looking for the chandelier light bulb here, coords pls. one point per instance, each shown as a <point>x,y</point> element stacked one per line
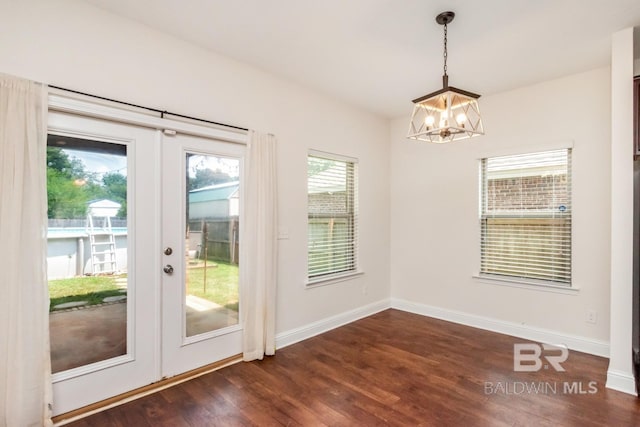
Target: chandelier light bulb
<point>444,119</point>
<point>429,121</point>
<point>461,118</point>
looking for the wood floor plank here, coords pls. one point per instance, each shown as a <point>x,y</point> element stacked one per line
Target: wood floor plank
<point>393,368</point>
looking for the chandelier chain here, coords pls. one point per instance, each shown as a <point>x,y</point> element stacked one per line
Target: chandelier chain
<point>445,49</point>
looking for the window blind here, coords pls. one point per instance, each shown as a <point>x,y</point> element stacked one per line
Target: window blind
<point>332,216</point>
<point>526,216</point>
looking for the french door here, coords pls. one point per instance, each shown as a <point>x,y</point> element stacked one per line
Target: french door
<point>201,207</point>
<point>143,255</point>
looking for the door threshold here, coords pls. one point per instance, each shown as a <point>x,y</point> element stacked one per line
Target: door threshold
<point>68,417</point>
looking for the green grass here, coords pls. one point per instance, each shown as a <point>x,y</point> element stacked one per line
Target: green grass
<point>88,288</point>
<point>221,286</point>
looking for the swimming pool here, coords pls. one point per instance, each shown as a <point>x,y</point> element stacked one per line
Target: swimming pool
<point>66,232</point>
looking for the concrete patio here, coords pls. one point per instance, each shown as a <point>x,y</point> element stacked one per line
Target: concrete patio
<point>93,333</point>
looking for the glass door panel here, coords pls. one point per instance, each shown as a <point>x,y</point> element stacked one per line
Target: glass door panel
<point>212,207</point>
<point>86,250</point>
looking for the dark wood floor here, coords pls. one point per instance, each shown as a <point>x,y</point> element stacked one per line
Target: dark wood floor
<point>393,368</point>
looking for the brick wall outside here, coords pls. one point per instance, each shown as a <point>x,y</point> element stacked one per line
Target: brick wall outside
<point>527,193</point>
<point>327,203</point>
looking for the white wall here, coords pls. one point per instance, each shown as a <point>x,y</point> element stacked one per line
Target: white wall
<point>434,215</point>
<point>74,45</point>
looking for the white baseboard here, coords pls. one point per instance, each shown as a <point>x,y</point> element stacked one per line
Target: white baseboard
<point>621,381</point>
<point>573,342</point>
<point>293,336</point>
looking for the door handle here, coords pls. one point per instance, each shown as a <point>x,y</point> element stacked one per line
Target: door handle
<point>168,269</point>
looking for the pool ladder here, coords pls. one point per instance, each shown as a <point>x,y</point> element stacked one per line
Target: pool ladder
<point>102,244</point>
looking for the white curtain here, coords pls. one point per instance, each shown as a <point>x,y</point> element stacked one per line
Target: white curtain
<point>259,272</point>
<point>25,366</point>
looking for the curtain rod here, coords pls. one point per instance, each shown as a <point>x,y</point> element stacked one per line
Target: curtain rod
<point>155,110</point>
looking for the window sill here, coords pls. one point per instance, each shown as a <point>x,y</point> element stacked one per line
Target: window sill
<point>330,280</point>
<point>514,282</point>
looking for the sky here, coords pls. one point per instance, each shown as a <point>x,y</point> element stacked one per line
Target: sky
<point>229,166</point>
<point>100,163</point>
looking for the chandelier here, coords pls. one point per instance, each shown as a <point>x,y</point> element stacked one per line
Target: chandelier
<point>448,114</point>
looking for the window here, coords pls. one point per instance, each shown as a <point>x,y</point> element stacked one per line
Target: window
<point>332,216</point>
<point>525,216</point>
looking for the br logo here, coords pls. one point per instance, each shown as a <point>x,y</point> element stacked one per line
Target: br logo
<point>528,357</point>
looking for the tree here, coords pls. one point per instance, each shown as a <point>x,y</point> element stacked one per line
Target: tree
<point>205,177</point>
<point>315,165</point>
<point>65,198</point>
<point>65,177</point>
<point>115,188</point>
<point>70,187</point>
<point>68,167</point>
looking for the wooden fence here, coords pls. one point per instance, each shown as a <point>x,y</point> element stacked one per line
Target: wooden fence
<point>215,239</point>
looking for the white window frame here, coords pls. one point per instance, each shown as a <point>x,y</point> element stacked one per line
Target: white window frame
<point>331,278</point>
<point>512,281</point>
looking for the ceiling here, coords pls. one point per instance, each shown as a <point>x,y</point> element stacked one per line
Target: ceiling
<point>381,54</point>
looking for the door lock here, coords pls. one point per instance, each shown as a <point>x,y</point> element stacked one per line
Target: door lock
<point>168,269</point>
<point>168,251</point>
